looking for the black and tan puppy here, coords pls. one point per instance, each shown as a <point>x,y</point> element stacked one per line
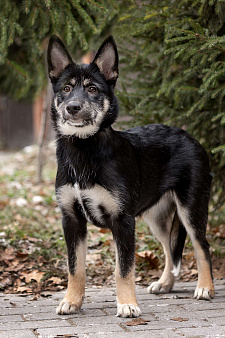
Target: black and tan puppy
<point>109,177</point>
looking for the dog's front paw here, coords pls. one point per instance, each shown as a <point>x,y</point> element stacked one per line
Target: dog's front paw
<point>203,293</point>
<point>67,308</point>
<point>128,310</point>
<point>157,287</point>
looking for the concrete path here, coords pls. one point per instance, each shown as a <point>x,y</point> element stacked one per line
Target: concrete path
<point>172,315</point>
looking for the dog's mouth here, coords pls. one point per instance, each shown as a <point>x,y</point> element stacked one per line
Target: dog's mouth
<point>76,123</point>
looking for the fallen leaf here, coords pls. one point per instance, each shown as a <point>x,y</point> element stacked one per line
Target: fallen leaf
<point>15,266</point>
<point>41,260</point>
<point>35,275</point>
<point>149,257</point>
<point>194,272</point>
<point>22,256</point>
<point>137,321</point>
<point>155,273</point>
<point>23,289</point>
<point>179,319</point>
<point>189,255</point>
<point>138,279</point>
<point>35,297</point>
<point>33,239</point>
<point>5,281</point>
<point>8,254</point>
<point>93,257</point>
<point>55,280</point>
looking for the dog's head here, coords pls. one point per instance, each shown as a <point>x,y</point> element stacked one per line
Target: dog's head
<point>84,101</point>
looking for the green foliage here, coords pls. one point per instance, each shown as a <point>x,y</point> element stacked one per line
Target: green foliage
<point>173,71</point>
<point>25,27</point>
<point>171,54</point>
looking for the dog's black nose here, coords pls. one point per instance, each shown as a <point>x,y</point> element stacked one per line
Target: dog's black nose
<point>73,107</point>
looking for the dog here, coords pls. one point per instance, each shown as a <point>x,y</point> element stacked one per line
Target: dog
<point>109,177</point>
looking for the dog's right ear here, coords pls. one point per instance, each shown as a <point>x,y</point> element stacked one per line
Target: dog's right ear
<point>58,57</point>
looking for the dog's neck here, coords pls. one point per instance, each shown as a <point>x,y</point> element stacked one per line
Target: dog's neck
<point>84,158</point>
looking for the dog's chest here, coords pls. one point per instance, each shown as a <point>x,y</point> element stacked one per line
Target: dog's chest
<point>98,204</point>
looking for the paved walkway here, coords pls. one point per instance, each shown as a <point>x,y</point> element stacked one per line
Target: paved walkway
<point>173,315</point>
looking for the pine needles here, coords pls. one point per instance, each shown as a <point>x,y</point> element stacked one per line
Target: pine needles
<point>25,27</point>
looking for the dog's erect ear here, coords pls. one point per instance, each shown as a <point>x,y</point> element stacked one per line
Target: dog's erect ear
<point>58,57</point>
<point>107,59</point>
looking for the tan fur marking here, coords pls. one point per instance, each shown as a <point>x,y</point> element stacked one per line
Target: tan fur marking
<point>204,274</point>
<point>76,283</point>
<point>106,105</point>
<point>86,82</point>
<point>66,197</point>
<point>125,286</point>
<point>73,81</point>
<point>167,279</point>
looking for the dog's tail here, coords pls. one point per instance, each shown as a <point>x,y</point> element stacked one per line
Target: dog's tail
<point>177,239</point>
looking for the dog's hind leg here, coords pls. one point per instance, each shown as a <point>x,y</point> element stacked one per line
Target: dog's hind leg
<point>159,219</point>
<point>124,238</point>
<point>75,233</point>
<point>194,219</point>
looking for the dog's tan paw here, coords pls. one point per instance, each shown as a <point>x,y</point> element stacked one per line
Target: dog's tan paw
<point>128,310</point>
<point>203,293</point>
<point>67,308</point>
<point>157,287</point>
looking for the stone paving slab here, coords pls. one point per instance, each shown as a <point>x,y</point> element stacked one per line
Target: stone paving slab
<point>176,314</point>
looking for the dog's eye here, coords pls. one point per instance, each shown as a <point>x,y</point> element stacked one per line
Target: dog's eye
<point>66,89</point>
<point>92,89</point>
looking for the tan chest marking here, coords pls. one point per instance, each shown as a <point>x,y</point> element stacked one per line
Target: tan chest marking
<point>92,200</point>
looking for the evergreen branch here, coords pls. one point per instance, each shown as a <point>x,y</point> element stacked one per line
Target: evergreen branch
<point>218,116</point>
<point>217,92</point>
<point>26,4</point>
<point>216,150</point>
<point>84,14</point>
<point>197,35</point>
<point>16,67</point>
<point>94,3</point>
<point>33,16</point>
<point>48,3</point>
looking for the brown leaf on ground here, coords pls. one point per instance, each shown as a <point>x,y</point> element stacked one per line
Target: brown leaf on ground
<point>179,319</point>
<point>148,257</point>
<point>33,239</point>
<point>137,321</point>
<point>155,273</point>
<point>23,289</point>
<point>5,282</point>
<point>8,255</point>
<point>93,257</point>
<point>55,280</point>
<point>35,275</point>
<point>22,256</point>
<point>194,272</point>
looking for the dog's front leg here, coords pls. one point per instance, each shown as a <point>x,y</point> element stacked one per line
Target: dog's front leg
<point>75,232</point>
<point>124,238</point>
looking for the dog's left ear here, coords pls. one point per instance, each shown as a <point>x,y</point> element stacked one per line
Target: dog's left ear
<point>107,59</point>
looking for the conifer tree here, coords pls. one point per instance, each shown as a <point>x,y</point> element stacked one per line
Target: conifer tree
<point>173,71</point>
<point>25,27</point>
